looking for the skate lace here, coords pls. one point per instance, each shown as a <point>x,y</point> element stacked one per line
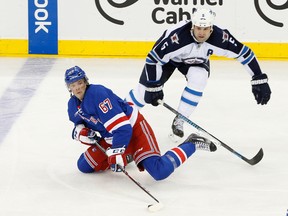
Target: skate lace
<point>201,145</point>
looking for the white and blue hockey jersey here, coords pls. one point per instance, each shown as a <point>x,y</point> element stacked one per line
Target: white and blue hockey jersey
<point>178,48</point>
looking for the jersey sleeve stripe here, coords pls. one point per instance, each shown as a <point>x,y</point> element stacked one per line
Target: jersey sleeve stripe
<point>243,51</point>
<point>247,60</point>
<point>153,53</point>
<point>116,122</point>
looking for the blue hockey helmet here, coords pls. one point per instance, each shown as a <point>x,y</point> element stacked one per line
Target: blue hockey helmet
<point>74,74</point>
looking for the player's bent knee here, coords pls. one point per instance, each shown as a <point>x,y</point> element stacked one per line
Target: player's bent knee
<point>158,167</point>
<point>159,176</point>
<point>83,165</point>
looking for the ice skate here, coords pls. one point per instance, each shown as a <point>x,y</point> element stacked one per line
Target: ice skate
<point>177,126</point>
<point>201,142</point>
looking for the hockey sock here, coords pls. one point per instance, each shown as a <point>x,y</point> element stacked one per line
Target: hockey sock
<point>180,154</point>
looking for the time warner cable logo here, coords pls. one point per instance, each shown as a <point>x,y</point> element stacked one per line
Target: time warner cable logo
<point>126,3</point>
<point>273,6</point>
<point>158,12</point>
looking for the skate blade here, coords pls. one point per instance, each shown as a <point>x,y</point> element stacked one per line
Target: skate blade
<point>174,138</point>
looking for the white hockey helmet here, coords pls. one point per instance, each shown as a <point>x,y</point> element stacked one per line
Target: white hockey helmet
<point>202,17</point>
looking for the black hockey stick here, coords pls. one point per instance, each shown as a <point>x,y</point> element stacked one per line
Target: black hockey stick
<point>256,159</point>
<point>151,207</point>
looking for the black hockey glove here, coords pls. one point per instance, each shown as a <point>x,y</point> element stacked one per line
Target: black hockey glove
<point>261,89</point>
<point>153,94</point>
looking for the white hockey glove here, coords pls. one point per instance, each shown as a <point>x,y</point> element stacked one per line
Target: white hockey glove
<point>116,159</point>
<point>85,135</point>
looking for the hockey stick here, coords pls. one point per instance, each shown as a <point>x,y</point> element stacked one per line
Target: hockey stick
<point>152,207</point>
<point>256,159</point>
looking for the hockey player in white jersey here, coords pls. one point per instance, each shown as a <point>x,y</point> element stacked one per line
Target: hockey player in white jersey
<point>187,46</point>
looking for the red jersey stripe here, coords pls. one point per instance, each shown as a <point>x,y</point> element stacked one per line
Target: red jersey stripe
<point>180,153</point>
<point>116,122</point>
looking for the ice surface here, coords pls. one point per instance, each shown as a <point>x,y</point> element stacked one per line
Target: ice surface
<point>38,173</point>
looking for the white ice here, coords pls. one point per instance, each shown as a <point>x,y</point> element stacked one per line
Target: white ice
<point>38,172</point>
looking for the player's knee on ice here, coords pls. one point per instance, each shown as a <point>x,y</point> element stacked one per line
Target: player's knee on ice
<point>83,165</point>
<point>92,162</point>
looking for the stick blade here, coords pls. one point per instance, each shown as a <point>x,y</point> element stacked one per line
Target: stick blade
<point>257,158</point>
<point>155,207</point>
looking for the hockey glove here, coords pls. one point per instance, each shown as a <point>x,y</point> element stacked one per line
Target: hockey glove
<point>116,159</point>
<point>261,89</point>
<point>153,94</point>
<point>85,135</point>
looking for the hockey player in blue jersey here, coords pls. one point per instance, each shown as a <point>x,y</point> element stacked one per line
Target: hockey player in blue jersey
<point>101,116</point>
<point>187,46</point>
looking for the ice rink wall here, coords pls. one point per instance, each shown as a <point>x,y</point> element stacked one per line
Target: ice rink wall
<point>129,28</point>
